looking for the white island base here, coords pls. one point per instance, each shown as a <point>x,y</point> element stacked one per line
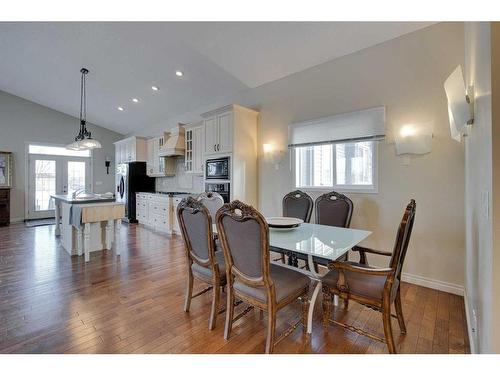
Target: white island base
<point>97,231</point>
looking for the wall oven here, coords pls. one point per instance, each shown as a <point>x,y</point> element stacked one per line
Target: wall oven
<point>217,169</point>
<point>222,189</point>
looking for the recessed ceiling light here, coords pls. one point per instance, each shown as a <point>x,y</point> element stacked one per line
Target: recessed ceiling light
<point>154,88</point>
<point>178,73</point>
<point>120,108</point>
<point>135,100</point>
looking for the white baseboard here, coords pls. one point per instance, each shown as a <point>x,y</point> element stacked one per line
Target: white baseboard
<point>468,318</point>
<point>17,219</point>
<point>433,284</point>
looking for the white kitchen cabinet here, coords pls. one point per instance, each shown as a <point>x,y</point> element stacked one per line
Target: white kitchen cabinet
<point>176,229</point>
<point>219,133</point>
<point>232,132</point>
<point>156,165</point>
<point>225,132</point>
<point>130,149</point>
<point>154,211</point>
<point>194,143</point>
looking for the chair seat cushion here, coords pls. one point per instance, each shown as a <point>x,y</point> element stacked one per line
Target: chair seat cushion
<point>287,282</point>
<point>207,272</point>
<point>359,284</point>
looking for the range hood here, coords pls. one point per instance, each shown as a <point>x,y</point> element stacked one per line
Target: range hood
<point>173,144</point>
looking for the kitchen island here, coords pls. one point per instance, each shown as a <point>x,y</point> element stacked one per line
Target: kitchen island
<point>87,224</point>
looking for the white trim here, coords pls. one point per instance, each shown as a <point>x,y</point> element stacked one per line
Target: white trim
<point>433,284</point>
<point>468,318</point>
<point>17,220</point>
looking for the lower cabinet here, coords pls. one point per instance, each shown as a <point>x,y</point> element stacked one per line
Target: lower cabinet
<point>154,211</point>
<point>175,223</point>
<point>158,212</point>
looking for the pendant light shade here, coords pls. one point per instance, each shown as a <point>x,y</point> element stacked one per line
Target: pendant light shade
<point>84,140</point>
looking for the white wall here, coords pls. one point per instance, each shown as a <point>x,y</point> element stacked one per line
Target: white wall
<point>406,75</point>
<point>24,121</point>
<point>478,177</point>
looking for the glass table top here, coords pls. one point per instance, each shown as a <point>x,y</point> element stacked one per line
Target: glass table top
<point>318,240</point>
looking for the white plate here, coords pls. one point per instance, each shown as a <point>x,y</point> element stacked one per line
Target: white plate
<point>283,222</point>
<point>284,229</point>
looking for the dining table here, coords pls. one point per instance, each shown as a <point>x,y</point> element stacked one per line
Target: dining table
<point>313,242</point>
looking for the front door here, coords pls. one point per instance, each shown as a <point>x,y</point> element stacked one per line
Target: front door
<point>54,174</point>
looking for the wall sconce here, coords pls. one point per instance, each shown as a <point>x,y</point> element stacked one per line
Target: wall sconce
<point>272,154</point>
<point>460,103</point>
<point>107,163</point>
<point>412,140</point>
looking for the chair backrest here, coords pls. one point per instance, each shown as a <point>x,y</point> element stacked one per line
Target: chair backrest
<point>244,236</point>
<point>298,204</point>
<point>212,201</point>
<point>334,209</point>
<point>196,228</point>
<point>403,238</point>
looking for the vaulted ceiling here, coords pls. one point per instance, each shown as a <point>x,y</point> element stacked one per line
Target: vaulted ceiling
<point>41,62</point>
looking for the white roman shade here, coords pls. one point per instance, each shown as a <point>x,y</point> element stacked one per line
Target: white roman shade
<point>364,125</point>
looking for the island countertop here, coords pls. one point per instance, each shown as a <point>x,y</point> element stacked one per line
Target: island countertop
<point>69,199</point>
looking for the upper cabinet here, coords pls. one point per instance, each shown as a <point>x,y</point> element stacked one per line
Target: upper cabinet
<point>232,131</point>
<point>156,165</point>
<point>219,131</point>
<point>130,149</point>
<point>195,143</point>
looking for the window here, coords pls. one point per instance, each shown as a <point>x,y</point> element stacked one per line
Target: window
<point>54,150</point>
<point>342,166</point>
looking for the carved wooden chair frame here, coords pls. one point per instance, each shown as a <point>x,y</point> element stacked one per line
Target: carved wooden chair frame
<point>217,280</point>
<point>241,212</point>
<point>390,273</point>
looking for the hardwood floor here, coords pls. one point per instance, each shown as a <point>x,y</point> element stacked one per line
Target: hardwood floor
<point>54,303</point>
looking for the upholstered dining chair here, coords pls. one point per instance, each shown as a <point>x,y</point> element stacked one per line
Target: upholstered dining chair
<point>299,205</point>
<point>334,209</point>
<point>205,264</point>
<point>376,288</point>
<point>244,236</point>
<point>211,200</point>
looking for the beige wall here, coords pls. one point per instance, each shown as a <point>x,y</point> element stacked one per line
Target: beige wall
<point>478,167</point>
<point>24,121</point>
<point>495,99</point>
<point>406,75</point>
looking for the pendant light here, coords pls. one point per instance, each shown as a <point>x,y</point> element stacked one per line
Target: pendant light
<point>84,140</point>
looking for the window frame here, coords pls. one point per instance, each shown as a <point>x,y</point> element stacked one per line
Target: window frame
<point>361,189</point>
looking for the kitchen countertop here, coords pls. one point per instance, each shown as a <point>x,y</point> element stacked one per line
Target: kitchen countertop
<point>169,194</point>
<point>69,199</point>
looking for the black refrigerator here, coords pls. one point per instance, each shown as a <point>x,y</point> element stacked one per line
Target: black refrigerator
<point>131,178</point>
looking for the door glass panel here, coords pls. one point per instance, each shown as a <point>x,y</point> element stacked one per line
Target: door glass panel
<point>76,176</point>
<point>45,184</point>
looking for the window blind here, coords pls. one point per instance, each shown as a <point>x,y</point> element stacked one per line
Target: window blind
<point>363,125</point>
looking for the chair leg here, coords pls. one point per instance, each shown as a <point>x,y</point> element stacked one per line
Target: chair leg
<point>189,292</point>
<point>229,312</point>
<point>399,313</point>
<point>346,303</point>
<point>271,328</point>
<point>305,310</point>
<point>327,308</point>
<point>283,258</point>
<point>389,339</point>
<point>215,306</point>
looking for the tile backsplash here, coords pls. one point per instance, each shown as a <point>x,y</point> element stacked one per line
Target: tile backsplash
<point>182,181</point>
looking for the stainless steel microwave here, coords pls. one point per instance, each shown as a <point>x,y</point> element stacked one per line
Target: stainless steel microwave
<point>217,169</point>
